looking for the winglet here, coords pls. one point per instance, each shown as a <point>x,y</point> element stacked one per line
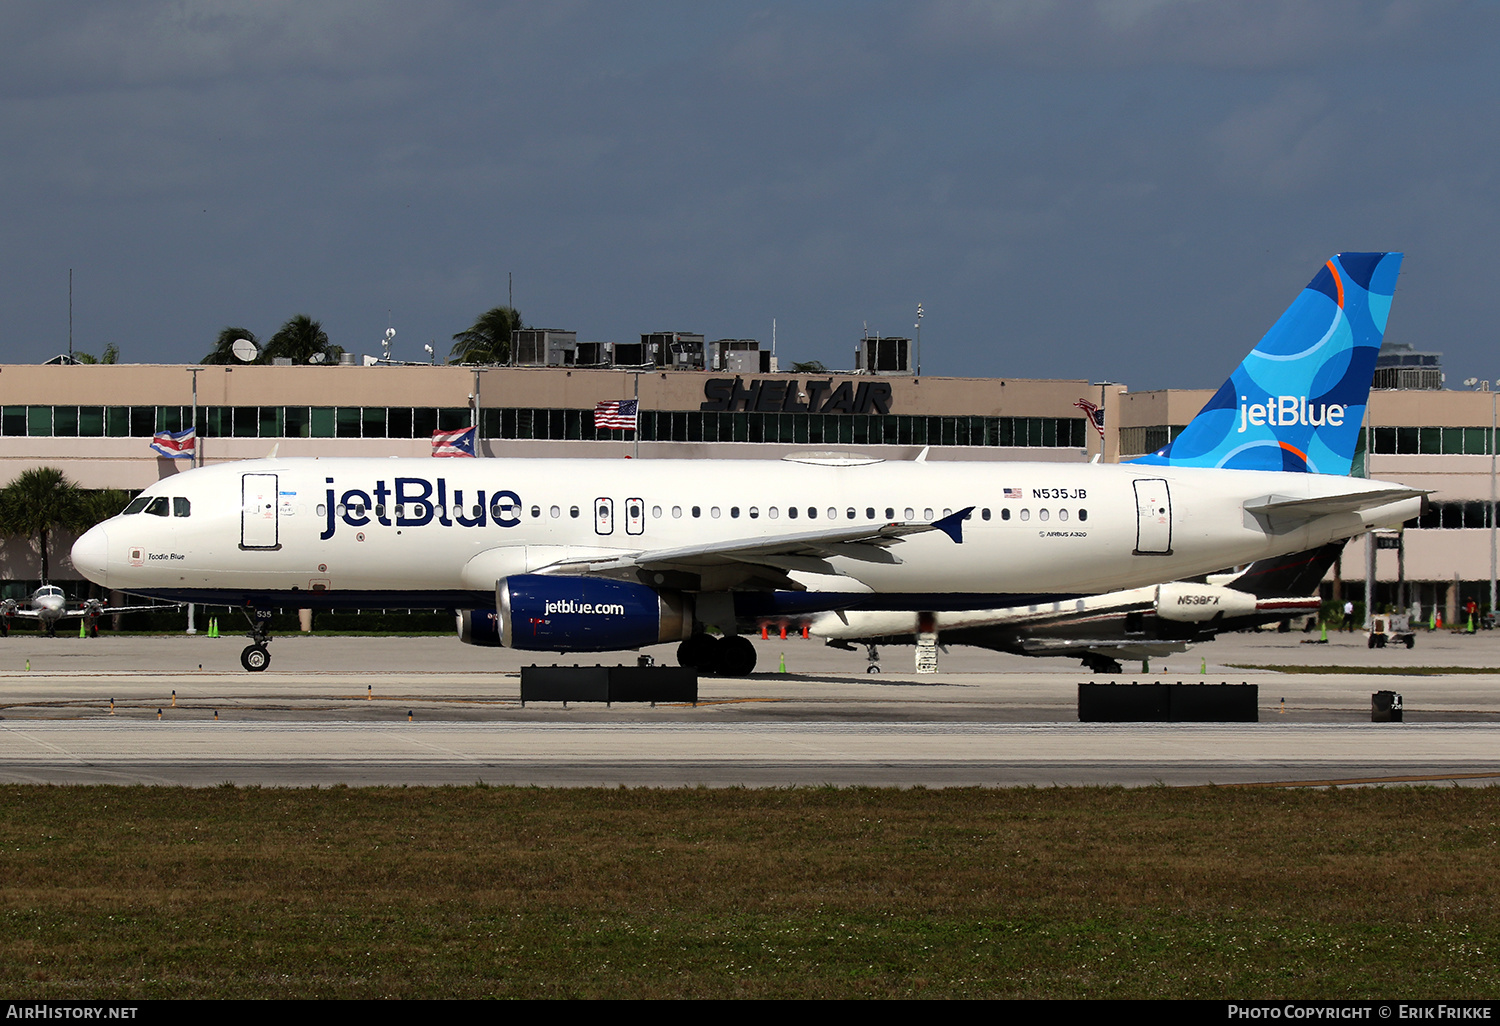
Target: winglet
<point>953,524</point>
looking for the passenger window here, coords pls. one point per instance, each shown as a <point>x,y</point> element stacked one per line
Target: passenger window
<point>181,507</point>
<point>849,514</point>
<point>833,514</point>
<point>1005,514</point>
<point>984,514</point>
<point>1025,514</point>
<point>380,510</point>
<point>656,512</point>
<point>890,514</point>
<point>573,512</point>
<point>812,513</point>
<point>869,513</point>
<point>1083,514</point>
<point>556,512</point>
<point>676,512</point>
<point>734,511</point>
<point>536,512</point>
<point>947,512</point>
<point>754,513</point>
<point>927,514</point>
<point>1062,514</point>
<point>713,511</point>
<point>1041,514</point>
<point>772,513</point>
<point>910,513</point>
<point>791,512</point>
<point>697,511</point>
<point>322,510</point>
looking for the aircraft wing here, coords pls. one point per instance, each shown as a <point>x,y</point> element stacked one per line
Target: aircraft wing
<point>762,561</point>
<point>1120,649</point>
<point>74,614</point>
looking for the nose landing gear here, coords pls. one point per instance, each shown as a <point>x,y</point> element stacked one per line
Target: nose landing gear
<point>256,656</point>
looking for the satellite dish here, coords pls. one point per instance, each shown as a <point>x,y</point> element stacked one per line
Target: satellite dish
<point>244,350</point>
<point>317,358</point>
<point>390,333</point>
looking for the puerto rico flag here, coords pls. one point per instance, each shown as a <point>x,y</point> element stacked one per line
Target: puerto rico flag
<point>453,443</point>
<point>175,445</point>
<point>616,414</point>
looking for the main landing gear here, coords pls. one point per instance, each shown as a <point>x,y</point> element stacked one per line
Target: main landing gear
<point>731,656</point>
<point>873,655</point>
<point>256,656</point>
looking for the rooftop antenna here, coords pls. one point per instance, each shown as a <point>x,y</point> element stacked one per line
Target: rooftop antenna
<point>244,350</point>
<point>70,315</point>
<point>431,353</point>
<point>385,343</point>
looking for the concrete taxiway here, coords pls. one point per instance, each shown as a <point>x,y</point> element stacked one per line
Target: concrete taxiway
<point>426,710</point>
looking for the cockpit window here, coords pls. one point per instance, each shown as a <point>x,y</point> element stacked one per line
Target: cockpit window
<point>158,507</point>
<point>181,507</point>
<point>136,505</point>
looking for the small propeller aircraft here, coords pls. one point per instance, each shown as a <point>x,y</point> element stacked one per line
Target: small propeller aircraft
<point>48,604</point>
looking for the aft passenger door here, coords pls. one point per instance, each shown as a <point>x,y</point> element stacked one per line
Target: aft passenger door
<point>1153,517</point>
<point>258,519</point>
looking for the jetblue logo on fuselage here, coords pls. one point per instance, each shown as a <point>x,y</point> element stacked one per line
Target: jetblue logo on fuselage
<point>417,502</point>
<point>1287,410</point>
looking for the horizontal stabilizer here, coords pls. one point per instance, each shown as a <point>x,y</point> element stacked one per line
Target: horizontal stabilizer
<point>1306,509</point>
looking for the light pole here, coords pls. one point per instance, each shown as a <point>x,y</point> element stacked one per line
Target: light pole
<point>919,340</point>
<point>1102,386</point>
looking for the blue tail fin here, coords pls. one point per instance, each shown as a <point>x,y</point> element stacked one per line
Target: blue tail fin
<point>1298,400</point>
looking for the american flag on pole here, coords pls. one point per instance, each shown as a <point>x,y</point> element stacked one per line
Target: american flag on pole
<point>454,443</point>
<point>1095,415</point>
<point>619,413</point>
<point>175,445</point>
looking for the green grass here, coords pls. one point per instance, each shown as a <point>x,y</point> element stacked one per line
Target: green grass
<point>478,891</point>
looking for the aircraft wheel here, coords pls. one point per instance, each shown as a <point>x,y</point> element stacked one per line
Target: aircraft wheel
<point>255,658</point>
<point>697,652</point>
<point>872,668</point>
<point>1411,641</point>
<point>736,657</point>
<point>93,630</point>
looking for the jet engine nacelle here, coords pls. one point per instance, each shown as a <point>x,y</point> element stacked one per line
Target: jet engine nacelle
<point>1197,603</point>
<point>576,614</point>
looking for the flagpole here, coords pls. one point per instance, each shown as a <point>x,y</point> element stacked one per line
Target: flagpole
<point>192,627</point>
<point>637,414</point>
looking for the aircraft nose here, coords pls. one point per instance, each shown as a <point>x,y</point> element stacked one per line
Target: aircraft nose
<point>91,554</point>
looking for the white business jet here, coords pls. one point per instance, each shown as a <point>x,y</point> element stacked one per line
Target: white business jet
<point>575,555</point>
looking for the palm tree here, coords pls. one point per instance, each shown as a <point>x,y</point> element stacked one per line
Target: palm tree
<point>37,502</point>
<point>300,340</point>
<point>223,351</point>
<point>487,340</point>
<point>111,355</point>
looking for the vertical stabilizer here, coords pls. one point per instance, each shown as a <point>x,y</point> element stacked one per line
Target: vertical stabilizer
<point>1298,400</point>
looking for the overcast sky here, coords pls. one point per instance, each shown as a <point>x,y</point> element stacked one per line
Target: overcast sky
<point>1130,190</point>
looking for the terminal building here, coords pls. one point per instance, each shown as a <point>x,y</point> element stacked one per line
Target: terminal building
<point>726,399</point>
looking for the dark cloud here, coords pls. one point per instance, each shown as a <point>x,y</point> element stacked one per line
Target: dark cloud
<point>1130,190</point>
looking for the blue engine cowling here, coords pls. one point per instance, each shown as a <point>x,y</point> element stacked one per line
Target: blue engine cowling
<point>575,614</point>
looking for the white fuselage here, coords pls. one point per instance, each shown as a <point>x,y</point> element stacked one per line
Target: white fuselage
<point>425,532</point>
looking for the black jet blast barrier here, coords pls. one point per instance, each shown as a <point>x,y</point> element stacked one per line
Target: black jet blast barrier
<point>1168,703</point>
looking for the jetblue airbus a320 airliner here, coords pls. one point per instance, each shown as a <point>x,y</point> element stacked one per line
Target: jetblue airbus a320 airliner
<point>603,555</point>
